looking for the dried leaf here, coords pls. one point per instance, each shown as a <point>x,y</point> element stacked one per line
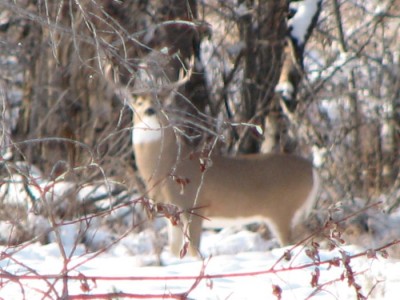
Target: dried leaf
<point>315,244</point>
<point>384,253</point>
<point>371,253</point>
<point>277,291</point>
<point>331,246</point>
<point>84,286</point>
<point>287,255</point>
<point>315,277</point>
<point>335,262</point>
<point>184,250</point>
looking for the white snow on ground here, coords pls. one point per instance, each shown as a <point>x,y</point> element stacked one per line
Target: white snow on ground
<point>249,281</point>
<point>239,265</point>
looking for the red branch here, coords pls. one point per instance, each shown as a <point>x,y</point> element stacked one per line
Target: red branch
<point>204,276</point>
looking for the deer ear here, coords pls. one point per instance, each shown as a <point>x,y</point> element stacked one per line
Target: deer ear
<point>138,101</point>
<point>165,93</point>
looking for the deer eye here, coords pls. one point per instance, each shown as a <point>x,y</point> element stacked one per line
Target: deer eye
<point>150,112</point>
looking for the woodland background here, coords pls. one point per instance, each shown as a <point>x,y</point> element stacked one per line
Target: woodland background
<point>65,119</point>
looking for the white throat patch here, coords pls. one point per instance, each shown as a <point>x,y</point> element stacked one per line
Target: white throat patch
<point>146,131</point>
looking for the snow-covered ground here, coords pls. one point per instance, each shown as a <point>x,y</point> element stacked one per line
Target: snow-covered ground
<point>239,265</point>
<point>244,275</point>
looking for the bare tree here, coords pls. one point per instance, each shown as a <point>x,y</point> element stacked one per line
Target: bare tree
<point>316,78</point>
<point>352,80</point>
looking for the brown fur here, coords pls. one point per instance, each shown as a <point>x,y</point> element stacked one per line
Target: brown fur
<point>268,186</point>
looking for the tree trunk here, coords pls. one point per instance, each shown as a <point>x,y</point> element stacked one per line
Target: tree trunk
<point>69,108</point>
<point>264,33</point>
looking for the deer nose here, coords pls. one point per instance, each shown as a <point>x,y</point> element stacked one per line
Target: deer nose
<point>150,111</point>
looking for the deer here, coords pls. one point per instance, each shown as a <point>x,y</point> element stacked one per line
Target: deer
<point>277,188</point>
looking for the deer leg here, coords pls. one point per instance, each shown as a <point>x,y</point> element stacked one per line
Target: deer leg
<point>175,238</point>
<point>195,230</point>
<point>187,230</point>
<point>281,228</point>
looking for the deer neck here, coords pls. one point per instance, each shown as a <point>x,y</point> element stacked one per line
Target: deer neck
<point>156,147</point>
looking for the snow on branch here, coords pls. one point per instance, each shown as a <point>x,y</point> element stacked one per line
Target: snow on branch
<point>301,23</point>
